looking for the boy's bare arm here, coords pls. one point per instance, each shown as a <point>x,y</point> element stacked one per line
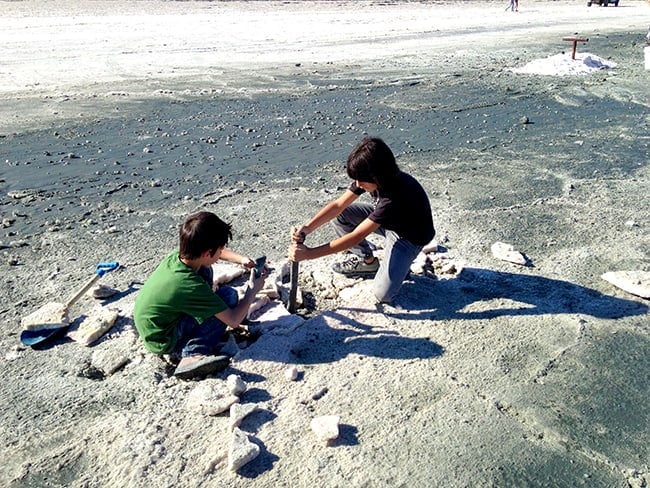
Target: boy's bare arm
<point>233,257</point>
<point>300,252</point>
<point>324,215</point>
<point>233,317</point>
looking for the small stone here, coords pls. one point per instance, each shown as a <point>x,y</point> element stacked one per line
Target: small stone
<point>102,291</point>
<point>524,120</point>
<point>242,451</point>
<point>235,384</point>
<point>506,252</point>
<point>291,373</point>
<point>326,427</point>
<point>211,397</point>
<point>238,412</point>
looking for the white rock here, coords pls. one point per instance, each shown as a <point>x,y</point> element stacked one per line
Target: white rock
<point>276,318</point>
<point>418,264</point>
<point>241,451</point>
<point>291,373</point>
<point>431,247</point>
<point>634,282</point>
<point>225,273</point>
<point>326,427</point>
<point>507,252</point>
<point>109,360</point>
<point>239,412</point>
<point>210,397</point>
<point>259,302</point>
<point>50,315</point>
<point>96,324</point>
<point>235,384</point>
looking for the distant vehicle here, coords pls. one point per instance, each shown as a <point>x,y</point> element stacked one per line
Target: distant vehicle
<point>603,3</point>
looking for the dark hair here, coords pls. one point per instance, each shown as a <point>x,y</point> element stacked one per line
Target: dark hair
<point>200,232</point>
<point>372,161</point>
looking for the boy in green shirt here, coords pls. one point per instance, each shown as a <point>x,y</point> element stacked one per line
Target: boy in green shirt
<point>176,310</point>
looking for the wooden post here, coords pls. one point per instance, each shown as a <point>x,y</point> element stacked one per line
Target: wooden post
<point>575,41</point>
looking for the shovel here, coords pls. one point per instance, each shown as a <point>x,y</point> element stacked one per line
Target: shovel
<point>52,317</point>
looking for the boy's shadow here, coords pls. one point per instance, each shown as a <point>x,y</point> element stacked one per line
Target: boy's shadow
<point>324,343</point>
<point>513,295</point>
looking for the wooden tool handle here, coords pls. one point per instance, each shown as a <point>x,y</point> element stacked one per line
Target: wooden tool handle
<point>82,290</point>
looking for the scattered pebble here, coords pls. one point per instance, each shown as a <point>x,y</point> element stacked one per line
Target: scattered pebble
<point>235,384</point>
<point>210,397</point>
<point>291,373</point>
<point>507,252</point>
<point>242,451</point>
<point>326,427</point>
<point>238,412</point>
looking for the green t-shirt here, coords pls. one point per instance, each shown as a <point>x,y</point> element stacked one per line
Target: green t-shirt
<point>174,289</point>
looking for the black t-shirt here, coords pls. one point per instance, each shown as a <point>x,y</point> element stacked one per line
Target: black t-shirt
<point>403,208</point>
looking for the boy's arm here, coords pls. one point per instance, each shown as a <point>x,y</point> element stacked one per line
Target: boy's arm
<point>324,215</point>
<point>233,317</point>
<point>233,257</point>
<point>300,252</point>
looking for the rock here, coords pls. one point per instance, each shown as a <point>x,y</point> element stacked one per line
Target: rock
<point>276,318</point>
<point>91,328</point>
<point>102,291</point>
<point>634,282</point>
<point>506,252</point>
<point>326,427</point>
<point>419,263</point>
<point>108,360</point>
<point>50,315</point>
<point>242,451</point>
<point>225,273</point>
<point>238,412</point>
<point>431,247</point>
<point>259,302</point>
<point>235,384</point>
<point>210,397</point>
<point>291,373</point>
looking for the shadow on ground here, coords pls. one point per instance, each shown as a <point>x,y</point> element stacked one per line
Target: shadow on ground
<point>479,294</point>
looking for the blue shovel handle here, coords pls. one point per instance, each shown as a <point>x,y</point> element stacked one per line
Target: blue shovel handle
<point>103,268</point>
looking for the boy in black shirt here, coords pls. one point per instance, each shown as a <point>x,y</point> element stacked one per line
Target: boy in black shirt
<point>401,213</point>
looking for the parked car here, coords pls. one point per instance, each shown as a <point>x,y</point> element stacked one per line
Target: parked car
<point>603,3</point>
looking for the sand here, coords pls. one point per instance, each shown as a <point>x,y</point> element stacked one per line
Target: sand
<point>119,118</point>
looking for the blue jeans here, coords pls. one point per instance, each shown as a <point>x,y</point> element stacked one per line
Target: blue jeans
<point>203,339</point>
<point>399,253</point>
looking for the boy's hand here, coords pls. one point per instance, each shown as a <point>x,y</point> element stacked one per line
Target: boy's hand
<point>256,283</point>
<point>247,262</point>
<point>298,234</point>
<point>298,252</point>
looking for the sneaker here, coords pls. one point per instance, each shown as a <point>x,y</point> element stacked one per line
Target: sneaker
<point>194,367</point>
<point>356,266</point>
